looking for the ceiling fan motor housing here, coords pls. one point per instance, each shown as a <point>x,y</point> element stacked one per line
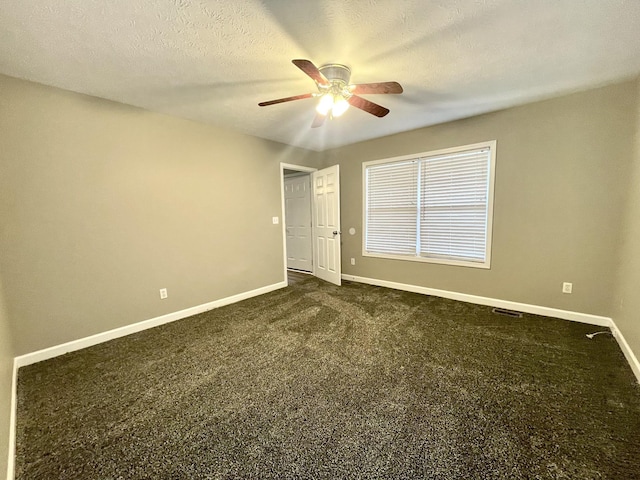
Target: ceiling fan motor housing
<point>338,75</point>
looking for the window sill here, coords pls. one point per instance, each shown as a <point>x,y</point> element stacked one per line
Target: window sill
<point>442,261</point>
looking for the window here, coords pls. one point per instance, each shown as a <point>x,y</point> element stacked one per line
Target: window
<point>431,207</point>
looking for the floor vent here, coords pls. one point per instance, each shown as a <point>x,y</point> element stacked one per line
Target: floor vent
<point>508,313</point>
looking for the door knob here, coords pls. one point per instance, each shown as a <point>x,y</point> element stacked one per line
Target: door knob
<point>335,232</point>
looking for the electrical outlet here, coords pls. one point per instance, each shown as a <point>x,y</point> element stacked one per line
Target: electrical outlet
<point>275,220</point>
<point>353,261</point>
<point>163,293</point>
<point>567,287</point>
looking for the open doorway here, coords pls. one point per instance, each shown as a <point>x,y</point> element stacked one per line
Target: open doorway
<point>297,221</point>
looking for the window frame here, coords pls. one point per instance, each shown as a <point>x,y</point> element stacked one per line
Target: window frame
<point>491,145</point>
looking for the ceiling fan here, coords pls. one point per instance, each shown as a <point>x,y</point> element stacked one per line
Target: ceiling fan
<point>335,92</point>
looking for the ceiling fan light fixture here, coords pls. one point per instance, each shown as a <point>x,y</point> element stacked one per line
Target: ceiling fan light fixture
<point>340,106</point>
<point>325,104</point>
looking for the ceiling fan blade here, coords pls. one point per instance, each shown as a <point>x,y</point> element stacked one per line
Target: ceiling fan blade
<point>310,69</point>
<point>286,99</point>
<point>318,120</point>
<point>367,106</point>
<point>383,87</point>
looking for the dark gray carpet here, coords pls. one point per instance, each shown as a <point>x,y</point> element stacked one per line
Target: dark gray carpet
<point>323,382</point>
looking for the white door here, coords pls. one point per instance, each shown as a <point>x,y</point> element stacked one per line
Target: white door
<point>297,214</point>
<point>326,224</point>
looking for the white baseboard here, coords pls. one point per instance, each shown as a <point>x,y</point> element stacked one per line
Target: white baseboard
<point>492,302</point>
<point>626,350</point>
<point>12,424</point>
<point>81,343</point>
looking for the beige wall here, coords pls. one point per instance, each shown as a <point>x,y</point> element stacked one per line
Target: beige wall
<point>558,200</point>
<point>6,375</point>
<point>104,204</point>
<point>626,311</point>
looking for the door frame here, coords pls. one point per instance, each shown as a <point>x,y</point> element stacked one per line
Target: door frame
<point>297,168</point>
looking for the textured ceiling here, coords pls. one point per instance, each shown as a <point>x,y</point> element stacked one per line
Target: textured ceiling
<point>213,61</point>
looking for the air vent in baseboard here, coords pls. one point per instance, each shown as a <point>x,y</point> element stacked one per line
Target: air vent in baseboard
<point>508,313</point>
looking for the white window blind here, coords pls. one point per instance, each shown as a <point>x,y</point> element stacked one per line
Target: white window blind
<point>392,207</point>
<point>453,217</point>
<point>433,207</point>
